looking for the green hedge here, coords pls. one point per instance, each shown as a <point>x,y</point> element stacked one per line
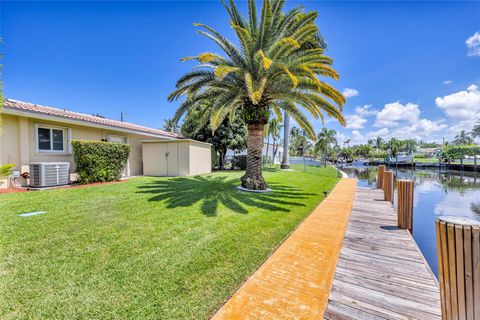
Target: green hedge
<point>421,156</point>
<point>99,161</point>
<point>458,152</point>
<point>239,162</point>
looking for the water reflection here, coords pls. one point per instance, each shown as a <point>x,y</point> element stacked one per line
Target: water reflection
<point>436,193</point>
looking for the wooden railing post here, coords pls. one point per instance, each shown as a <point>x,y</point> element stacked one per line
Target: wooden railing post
<point>458,249</point>
<point>388,186</point>
<point>405,204</point>
<point>381,170</point>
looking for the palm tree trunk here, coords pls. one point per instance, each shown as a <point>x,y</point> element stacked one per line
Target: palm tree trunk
<point>221,160</point>
<point>325,156</point>
<point>253,178</point>
<point>275,148</point>
<point>286,130</point>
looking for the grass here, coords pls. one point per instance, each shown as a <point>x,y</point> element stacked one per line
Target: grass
<point>435,160</point>
<point>149,248</point>
<point>425,160</point>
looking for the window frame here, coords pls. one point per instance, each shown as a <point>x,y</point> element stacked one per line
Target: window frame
<point>51,128</point>
<point>110,137</point>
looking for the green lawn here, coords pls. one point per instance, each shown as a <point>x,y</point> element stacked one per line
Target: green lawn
<point>425,160</point>
<point>435,160</point>
<point>149,248</point>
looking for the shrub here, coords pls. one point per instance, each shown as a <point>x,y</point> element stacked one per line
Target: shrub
<point>421,156</point>
<point>458,152</point>
<point>99,161</point>
<point>214,158</point>
<point>6,170</point>
<point>239,162</point>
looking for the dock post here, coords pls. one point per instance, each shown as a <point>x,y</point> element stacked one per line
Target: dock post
<point>381,170</point>
<point>405,204</point>
<point>458,249</point>
<point>388,186</point>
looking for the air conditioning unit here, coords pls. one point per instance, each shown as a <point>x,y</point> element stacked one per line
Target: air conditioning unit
<point>49,174</point>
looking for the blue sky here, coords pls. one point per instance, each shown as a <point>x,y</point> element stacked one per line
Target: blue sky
<point>413,67</point>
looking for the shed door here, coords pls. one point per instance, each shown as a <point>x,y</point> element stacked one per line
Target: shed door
<point>172,159</point>
<point>154,159</point>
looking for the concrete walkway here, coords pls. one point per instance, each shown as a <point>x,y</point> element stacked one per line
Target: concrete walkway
<point>295,281</point>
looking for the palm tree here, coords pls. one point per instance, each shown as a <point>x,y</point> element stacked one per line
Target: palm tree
<point>410,145</point>
<point>462,138</point>
<point>476,130</point>
<point>378,143</point>
<point>394,146</point>
<point>170,126</point>
<point>274,130</point>
<point>347,141</point>
<point>325,138</point>
<point>274,70</point>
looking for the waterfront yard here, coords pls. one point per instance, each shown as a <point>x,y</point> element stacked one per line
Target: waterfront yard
<point>164,248</point>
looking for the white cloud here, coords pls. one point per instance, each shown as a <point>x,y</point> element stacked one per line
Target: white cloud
<point>473,45</point>
<point>379,133</point>
<point>394,113</point>
<point>357,138</point>
<point>447,82</point>
<point>404,122</point>
<point>355,121</point>
<point>462,106</point>
<point>349,92</point>
<point>421,129</point>
<point>365,110</point>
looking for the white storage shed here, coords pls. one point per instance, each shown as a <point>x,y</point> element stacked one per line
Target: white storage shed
<point>183,157</point>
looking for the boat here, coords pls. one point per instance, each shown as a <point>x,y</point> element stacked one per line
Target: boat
<point>401,158</point>
<point>360,162</point>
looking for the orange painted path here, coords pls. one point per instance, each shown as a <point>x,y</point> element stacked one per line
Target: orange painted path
<point>295,281</point>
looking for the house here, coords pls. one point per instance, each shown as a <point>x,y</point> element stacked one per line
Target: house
<point>428,152</point>
<point>36,133</point>
<point>268,150</point>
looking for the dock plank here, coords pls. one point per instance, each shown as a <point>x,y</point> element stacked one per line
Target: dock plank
<point>381,273</point>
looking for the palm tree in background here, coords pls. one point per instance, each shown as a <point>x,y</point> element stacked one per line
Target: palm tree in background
<point>476,130</point>
<point>325,138</point>
<point>170,126</point>
<point>274,128</point>
<point>378,143</point>
<point>274,70</point>
<point>347,141</point>
<point>410,145</point>
<point>394,146</point>
<point>463,138</point>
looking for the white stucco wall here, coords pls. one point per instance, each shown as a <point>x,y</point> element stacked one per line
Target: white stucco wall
<point>185,158</point>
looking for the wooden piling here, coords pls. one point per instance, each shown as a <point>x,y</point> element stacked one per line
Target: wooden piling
<point>388,186</point>
<point>381,170</point>
<point>458,250</point>
<point>405,204</point>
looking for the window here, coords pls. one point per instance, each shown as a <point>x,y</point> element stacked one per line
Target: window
<point>118,139</point>
<point>50,139</point>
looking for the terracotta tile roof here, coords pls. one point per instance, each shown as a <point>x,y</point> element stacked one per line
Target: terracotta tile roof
<point>55,112</point>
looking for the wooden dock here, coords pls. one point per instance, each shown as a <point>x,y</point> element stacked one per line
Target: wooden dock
<point>381,273</point>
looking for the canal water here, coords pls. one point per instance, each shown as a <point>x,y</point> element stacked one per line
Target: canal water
<point>437,193</point>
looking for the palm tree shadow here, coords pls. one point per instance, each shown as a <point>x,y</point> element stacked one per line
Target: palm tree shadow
<point>211,191</point>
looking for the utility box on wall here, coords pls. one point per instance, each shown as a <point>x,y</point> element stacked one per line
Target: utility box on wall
<point>176,158</point>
